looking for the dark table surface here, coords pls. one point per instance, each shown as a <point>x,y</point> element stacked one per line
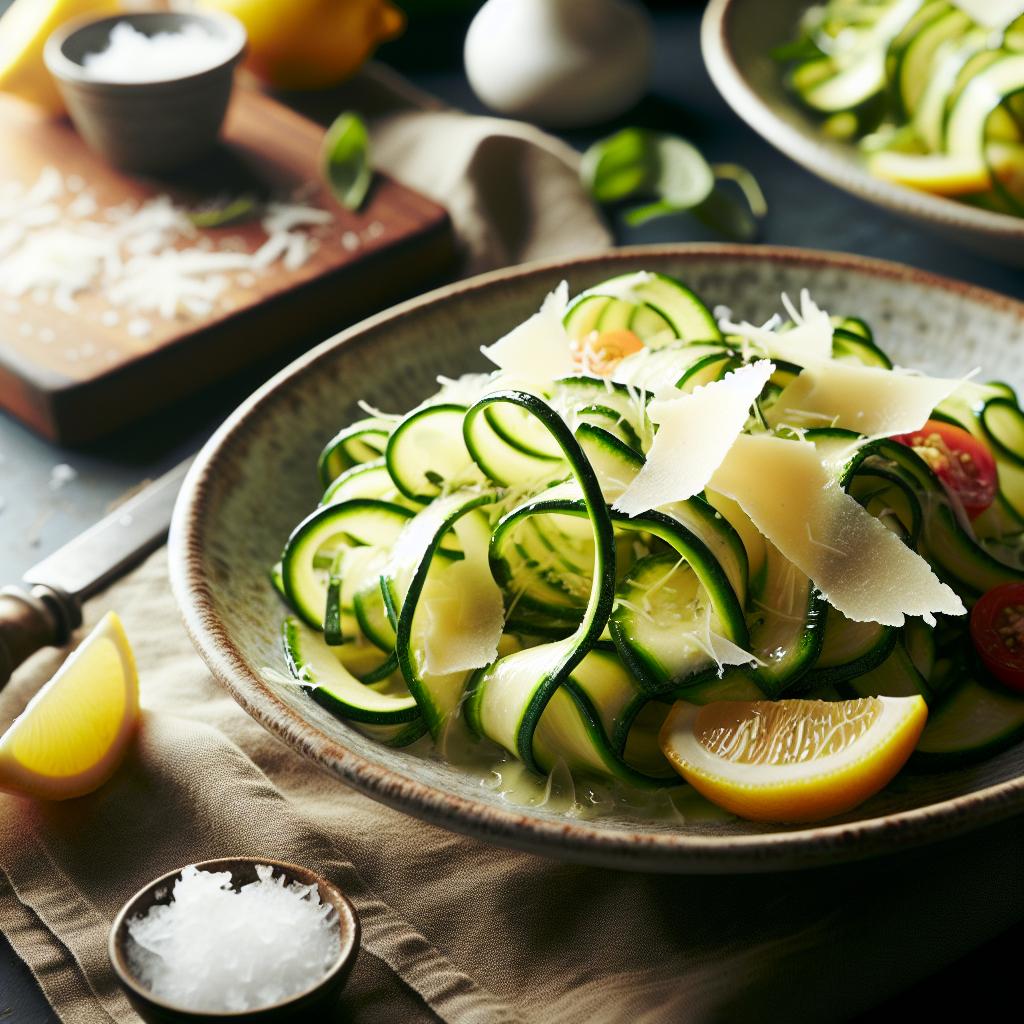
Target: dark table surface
<point>36,517</point>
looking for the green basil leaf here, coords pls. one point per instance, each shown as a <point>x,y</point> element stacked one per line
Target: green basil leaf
<point>727,216</point>
<point>238,209</point>
<point>619,166</point>
<point>636,163</point>
<point>345,160</point>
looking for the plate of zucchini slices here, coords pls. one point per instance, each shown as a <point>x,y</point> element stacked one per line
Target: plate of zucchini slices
<point>698,558</point>
<point>916,105</point>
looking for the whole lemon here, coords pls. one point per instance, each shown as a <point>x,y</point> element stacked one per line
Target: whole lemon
<point>312,44</point>
<point>24,30</point>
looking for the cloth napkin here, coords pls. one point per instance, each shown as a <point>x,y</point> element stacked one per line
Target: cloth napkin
<point>454,929</point>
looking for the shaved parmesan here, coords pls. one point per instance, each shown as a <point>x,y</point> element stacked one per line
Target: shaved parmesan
<point>867,399</point>
<point>810,340</point>
<point>994,14</point>
<point>695,432</point>
<point>538,350</point>
<point>860,567</point>
<point>466,605</point>
<point>625,288</point>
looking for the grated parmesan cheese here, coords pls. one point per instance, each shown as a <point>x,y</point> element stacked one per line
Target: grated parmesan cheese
<point>57,244</point>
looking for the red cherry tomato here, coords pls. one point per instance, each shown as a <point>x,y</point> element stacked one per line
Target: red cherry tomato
<point>962,462</point>
<point>997,631</point>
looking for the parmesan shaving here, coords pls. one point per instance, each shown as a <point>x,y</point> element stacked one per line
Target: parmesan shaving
<point>538,349</point>
<point>868,399</point>
<point>993,14</point>
<point>695,432</point>
<point>860,567</point>
<point>810,340</point>
<point>625,287</point>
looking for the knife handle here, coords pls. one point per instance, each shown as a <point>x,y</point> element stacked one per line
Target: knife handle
<point>30,621</point>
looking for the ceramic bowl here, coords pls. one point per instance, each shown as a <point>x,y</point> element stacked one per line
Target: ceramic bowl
<point>737,40</point>
<point>145,126</point>
<point>315,1001</point>
<point>256,479</point>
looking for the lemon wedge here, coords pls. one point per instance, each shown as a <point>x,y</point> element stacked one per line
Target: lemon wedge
<point>24,30</point>
<point>792,760</point>
<point>74,732</point>
<point>943,173</point>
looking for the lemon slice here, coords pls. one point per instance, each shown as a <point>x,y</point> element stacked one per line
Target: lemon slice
<point>792,760</point>
<point>24,30</point>
<point>73,734</point>
<point>943,173</point>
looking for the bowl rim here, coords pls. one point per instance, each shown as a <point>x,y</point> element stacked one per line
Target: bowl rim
<point>816,157</point>
<point>63,68</point>
<point>348,923</point>
<point>571,839</point>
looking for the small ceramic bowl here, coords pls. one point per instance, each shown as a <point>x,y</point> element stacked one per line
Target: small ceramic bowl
<point>307,1005</point>
<point>145,126</point>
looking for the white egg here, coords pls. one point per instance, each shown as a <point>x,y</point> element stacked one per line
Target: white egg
<point>561,63</point>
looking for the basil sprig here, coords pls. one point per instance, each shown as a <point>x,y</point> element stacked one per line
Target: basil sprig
<point>674,177</point>
<point>345,160</point>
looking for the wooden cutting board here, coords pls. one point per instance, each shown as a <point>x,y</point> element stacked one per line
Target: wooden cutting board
<point>74,371</point>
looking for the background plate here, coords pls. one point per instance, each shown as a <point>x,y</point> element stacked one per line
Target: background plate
<point>256,479</point>
<point>737,40</point>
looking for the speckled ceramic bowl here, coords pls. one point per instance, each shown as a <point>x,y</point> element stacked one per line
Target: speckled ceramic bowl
<point>256,479</point>
<point>315,1003</point>
<point>737,39</point>
<point>151,126</point>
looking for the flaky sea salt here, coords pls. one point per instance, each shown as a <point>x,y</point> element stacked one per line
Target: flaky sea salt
<point>61,475</point>
<point>133,56</point>
<point>214,949</point>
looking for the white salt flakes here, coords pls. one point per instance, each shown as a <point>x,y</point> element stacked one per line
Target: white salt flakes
<point>350,241</point>
<point>133,56</point>
<point>215,949</point>
<point>61,475</point>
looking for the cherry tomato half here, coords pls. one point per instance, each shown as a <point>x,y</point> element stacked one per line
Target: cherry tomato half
<point>997,631</point>
<point>600,352</point>
<point>962,462</point>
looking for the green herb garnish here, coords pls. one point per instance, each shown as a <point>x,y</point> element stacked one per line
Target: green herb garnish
<point>231,212</point>
<point>345,160</point>
<point>674,177</point>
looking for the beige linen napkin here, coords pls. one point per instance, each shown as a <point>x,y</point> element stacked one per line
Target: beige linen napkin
<point>455,929</point>
<point>512,191</point>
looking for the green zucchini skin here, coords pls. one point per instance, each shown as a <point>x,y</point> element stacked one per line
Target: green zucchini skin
<point>361,442</point>
<point>367,520</point>
<point>332,686</point>
<point>562,656</point>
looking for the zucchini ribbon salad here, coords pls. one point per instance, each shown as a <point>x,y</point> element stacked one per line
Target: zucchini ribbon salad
<point>933,90</point>
<point>619,548</point>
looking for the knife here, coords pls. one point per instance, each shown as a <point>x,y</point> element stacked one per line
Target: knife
<point>47,607</point>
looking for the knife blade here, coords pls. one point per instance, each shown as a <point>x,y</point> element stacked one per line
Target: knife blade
<point>47,606</point>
